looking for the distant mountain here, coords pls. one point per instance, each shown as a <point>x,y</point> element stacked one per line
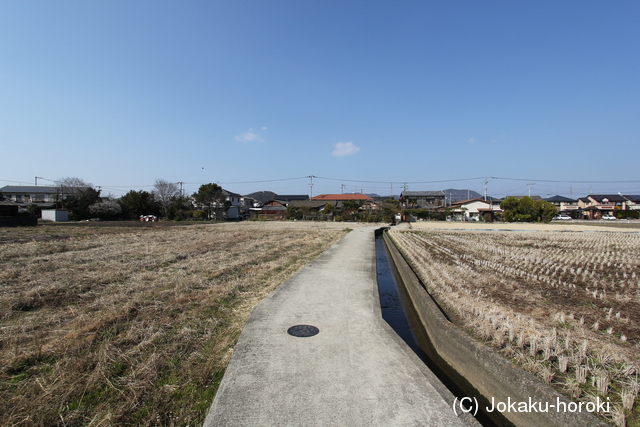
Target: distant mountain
<point>262,196</point>
<point>459,195</point>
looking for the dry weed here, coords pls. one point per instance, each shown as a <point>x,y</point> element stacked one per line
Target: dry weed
<point>106,325</point>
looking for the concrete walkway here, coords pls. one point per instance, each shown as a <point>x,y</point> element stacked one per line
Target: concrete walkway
<point>354,372</point>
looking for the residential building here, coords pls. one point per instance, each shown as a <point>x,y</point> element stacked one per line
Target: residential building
<point>474,210</point>
<point>633,202</point>
<point>288,198</point>
<point>565,205</point>
<point>342,197</point>
<point>272,209</point>
<point>594,206</point>
<point>234,198</point>
<point>43,195</point>
<point>422,199</point>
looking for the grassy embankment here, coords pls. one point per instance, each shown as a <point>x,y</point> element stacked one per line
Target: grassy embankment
<point>106,324</point>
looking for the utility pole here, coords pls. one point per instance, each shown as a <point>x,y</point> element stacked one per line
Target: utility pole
<point>311,186</point>
<point>486,180</point>
<point>341,188</point>
<point>530,184</point>
<point>181,194</point>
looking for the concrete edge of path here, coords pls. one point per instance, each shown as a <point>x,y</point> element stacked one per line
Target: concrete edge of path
<point>239,372</point>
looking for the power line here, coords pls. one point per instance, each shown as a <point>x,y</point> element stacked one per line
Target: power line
<point>565,181</point>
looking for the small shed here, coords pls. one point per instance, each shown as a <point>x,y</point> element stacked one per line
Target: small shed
<point>56,215</point>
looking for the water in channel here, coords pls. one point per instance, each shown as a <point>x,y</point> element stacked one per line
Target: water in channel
<point>398,312</point>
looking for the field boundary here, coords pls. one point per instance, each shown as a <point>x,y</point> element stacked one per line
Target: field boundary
<point>489,373</point>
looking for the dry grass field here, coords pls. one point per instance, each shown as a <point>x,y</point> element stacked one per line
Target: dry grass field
<point>563,305</point>
<point>133,324</point>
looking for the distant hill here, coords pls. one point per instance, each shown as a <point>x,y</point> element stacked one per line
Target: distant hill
<point>458,195</point>
<point>262,196</point>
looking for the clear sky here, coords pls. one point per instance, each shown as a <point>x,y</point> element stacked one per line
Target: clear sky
<point>260,94</point>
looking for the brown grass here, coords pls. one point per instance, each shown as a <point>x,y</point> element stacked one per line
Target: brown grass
<point>112,325</point>
<point>565,306</point>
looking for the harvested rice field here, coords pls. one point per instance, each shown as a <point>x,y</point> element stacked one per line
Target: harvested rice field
<point>133,324</point>
<point>563,305</point>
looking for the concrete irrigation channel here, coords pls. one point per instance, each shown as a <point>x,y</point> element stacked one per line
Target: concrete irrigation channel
<point>479,373</point>
<point>317,352</point>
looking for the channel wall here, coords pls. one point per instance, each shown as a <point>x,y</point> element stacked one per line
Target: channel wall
<point>486,371</point>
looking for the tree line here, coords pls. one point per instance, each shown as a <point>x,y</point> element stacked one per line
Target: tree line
<point>84,201</point>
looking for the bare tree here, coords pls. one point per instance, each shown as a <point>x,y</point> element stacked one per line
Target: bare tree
<point>165,192</point>
<point>72,185</point>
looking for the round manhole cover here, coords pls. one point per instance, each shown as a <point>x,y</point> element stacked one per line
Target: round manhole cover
<point>303,331</point>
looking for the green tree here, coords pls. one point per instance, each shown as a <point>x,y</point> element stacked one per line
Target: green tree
<point>526,209</point>
<point>350,210</point>
<point>181,209</point>
<point>293,212</point>
<point>136,203</point>
<point>210,197</point>
<point>78,203</point>
<point>389,209</point>
<point>328,210</point>
<point>545,210</point>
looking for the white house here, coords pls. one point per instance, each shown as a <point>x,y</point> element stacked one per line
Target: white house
<point>42,195</point>
<point>474,210</point>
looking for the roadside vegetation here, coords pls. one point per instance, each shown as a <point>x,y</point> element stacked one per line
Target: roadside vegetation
<point>133,325</point>
<point>564,306</point>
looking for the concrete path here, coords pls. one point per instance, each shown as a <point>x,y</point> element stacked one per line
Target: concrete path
<point>354,372</point>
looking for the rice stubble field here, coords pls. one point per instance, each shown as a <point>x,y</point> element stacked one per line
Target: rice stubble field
<point>563,305</point>
<point>133,324</point>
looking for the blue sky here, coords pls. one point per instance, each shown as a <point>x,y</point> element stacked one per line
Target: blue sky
<point>259,95</point>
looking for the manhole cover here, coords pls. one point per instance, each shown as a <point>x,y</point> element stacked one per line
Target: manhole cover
<point>303,331</point>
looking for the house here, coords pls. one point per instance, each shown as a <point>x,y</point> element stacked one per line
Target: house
<point>342,197</point>
<point>271,210</point>
<point>43,195</point>
<point>474,210</point>
<point>633,202</point>
<point>234,199</point>
<point>566,205</point>
<point>594,206</point>
<point>315,209</point>
<point>422,199</point>
<point>288,198</point>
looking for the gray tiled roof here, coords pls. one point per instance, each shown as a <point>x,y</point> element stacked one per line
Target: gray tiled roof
<point>423,193</point>
<point>30,189</point>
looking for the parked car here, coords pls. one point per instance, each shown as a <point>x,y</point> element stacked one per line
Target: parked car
<point>148,218</point>
<point>608,217</point>
<point>562,217</point>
